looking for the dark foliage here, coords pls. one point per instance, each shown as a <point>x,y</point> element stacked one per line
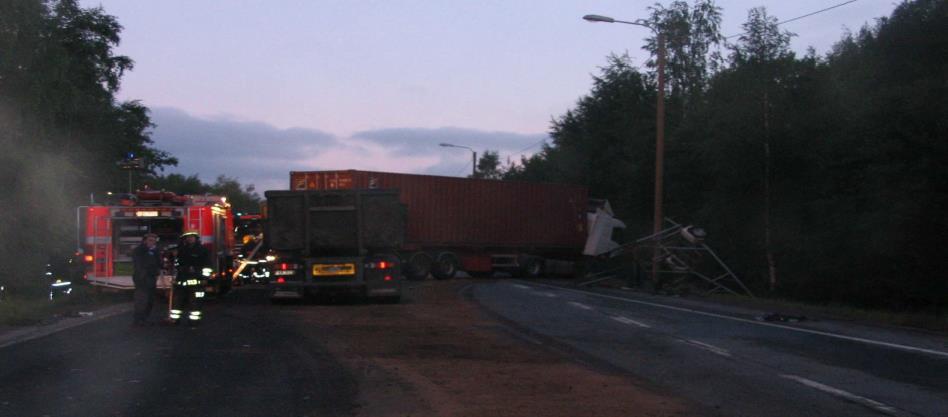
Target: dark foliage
<point>823,177</point>
<point>62,131</point>
<point>243,199</point>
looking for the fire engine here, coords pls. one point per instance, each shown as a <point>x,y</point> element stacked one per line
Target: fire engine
<point>108,233</point>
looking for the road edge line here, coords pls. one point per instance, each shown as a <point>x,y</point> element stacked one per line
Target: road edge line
<point>779,326</point>
<point>866,402</point>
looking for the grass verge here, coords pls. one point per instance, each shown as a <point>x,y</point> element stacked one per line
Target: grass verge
<point>926,321</point>
<point>33,309</point>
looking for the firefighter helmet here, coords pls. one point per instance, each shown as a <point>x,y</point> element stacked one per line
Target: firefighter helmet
<point>190,233</point>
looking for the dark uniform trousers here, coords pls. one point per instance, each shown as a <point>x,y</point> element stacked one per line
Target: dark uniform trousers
<point>193,268</point>
<point>147,264</point>
<point>188,297</point>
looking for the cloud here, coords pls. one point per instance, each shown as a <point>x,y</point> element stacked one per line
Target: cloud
<point>412,141</point>
<point>263,155</point>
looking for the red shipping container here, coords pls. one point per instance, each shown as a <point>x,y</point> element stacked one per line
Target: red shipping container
<point>476,214</point>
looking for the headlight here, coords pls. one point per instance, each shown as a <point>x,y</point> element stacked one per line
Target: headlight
<point>206,271</point>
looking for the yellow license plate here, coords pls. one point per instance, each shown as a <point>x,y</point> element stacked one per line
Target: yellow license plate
<point>322,270</point>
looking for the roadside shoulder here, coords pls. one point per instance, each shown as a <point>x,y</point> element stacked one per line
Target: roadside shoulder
<point>877,331</point>
<point>11,335</point>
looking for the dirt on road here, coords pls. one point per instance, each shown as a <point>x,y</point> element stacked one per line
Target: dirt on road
<point>439,354</point>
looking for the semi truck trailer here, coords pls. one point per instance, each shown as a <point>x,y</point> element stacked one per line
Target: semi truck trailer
<point>445,224</point>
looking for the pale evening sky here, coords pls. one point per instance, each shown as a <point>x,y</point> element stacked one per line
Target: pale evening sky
<point>377,84</point>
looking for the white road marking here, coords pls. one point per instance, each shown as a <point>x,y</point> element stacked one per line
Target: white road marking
<point>779,326</point>
<point>521,286</point>
<point>580,305</point>
<point>707,347</point>
<point>626,320</point>
<point>873,404</point>
<point>546,294</point>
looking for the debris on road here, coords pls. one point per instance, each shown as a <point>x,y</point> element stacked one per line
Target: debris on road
<point>783,318</point>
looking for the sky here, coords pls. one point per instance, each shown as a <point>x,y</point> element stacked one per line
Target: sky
<point>255,89</point>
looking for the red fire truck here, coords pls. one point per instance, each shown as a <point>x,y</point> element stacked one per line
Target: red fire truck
<point>107,233</point>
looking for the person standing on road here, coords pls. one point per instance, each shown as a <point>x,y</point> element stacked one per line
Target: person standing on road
<point>193,269</point>
<point>146,260</point>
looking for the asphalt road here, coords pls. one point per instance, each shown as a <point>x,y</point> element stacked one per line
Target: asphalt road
<point>244,360</point>
<point>728,361</point>
<point>251,358</point>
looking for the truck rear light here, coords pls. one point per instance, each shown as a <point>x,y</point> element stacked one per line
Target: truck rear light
<point>287,267</point>
<point>380,265</point>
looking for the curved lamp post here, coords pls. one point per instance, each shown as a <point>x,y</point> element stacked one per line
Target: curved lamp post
<point>473,156</point>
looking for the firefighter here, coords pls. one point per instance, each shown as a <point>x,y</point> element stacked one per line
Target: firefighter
<point>193,269</point>
<point>147,263</point>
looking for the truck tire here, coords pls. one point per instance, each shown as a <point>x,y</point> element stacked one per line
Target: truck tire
<point>446,266</point>
<point>418,266</point>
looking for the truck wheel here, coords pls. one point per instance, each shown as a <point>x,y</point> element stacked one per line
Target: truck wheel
<point>418,266</point>
<point>533,268</point>
<point>446,266</point>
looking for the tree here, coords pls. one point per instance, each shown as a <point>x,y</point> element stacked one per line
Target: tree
<point>606,143</point>
<point>691,34</point>
<point>488,166</point>
<point>242,198</point>
<point>765,49</point>
<point>61,127</point>
<point>829,167</point>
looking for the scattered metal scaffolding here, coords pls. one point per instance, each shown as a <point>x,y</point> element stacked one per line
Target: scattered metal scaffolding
<point>680,252</point>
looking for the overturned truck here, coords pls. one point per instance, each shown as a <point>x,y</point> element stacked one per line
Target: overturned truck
<point>334,229</point>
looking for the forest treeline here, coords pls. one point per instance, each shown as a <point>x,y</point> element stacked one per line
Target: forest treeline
<point>63,131</point>
<point>819,178</point>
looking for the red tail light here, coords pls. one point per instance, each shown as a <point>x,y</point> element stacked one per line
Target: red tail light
<point>281,280</point>
<point>284,267</point>
<point>388,277</point>
<point>88,258</point>
<point>383,265</point>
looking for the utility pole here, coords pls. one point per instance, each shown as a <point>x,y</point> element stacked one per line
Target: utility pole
<point>659,127</point>
<point>659,150</point>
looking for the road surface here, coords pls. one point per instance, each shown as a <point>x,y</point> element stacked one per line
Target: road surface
<point>474,348</point>
<point>729,361</point>
<point>239,362</point>
<point>436,354</point>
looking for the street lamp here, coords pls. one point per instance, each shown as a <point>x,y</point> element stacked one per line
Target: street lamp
<point>659,124</point>
<point>131,163</point>
<point>473,156</point>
